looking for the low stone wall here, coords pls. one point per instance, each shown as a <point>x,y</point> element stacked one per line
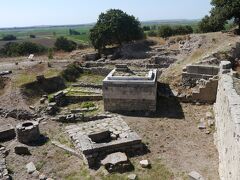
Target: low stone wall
<point>192,73</point>
<point>98,70</point>
<point>227,136</point>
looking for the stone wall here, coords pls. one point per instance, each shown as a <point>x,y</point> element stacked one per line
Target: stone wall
<point>126,97</point>
<point>206,92</point>
<point>227,136</point>
<point>192,73</point>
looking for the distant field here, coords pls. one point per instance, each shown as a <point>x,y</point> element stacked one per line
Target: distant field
<point>48,34</point>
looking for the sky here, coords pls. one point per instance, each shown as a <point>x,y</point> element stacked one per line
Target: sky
<point>20,13</point>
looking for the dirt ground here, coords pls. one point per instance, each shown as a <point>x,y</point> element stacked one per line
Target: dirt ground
<point>178,142</point>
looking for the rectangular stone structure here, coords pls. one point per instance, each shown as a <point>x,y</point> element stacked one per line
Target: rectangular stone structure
<point>87,138</point>
<point>130,93</point>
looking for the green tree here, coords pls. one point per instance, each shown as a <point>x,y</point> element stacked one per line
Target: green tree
<point>222,11</point>
<point>115,27</point>
<point>226,10</point>
<point>211,24</point>
<point>64,44</point>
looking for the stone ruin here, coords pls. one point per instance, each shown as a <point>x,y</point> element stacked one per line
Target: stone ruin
<point>126,90</point>
<point>28,132</point>
<point>192,73</point>
<point>97,139</point>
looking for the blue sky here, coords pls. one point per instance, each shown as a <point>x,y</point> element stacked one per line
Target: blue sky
<point>15,13</point>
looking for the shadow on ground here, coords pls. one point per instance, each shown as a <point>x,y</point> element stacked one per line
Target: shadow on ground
<point>168,106</point>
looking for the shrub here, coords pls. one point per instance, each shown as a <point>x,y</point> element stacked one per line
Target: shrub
<point>32,36</point>
<point>64,44</point>
<point>152,33</point>
<point>165,31</point>
<point>146,28</point>
<point>50,53</point>
<point>9,37</point>
<point>25,48</point>
<point>72,72</point>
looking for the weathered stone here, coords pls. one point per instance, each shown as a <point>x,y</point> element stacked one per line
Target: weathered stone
<point>130,93</point>
<point>132,176</point>
<point>115,158</point>
<point>30,168</point>
<point>42,177</point>
<point>145,163</point>
<point>28,132</point>
<point>21,150</point>
<point>195,176</point>
<point>42,100</point>
<point>202,125</point>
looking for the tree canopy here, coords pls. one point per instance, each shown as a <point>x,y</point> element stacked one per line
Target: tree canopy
<point>222,11</point>
<point>115,27</point>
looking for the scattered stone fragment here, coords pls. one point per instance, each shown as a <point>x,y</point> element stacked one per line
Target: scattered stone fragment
<point>42,100</point>
<point>42,177</point>
<point>30,168</point>
<point>209,115</point>
<point>36,174</point>
<point>132,176</point>
<point>21,150</point>
<point>201,125</point>
<point>195,176</point>
<point>145,163</point>
<point>116,162</point>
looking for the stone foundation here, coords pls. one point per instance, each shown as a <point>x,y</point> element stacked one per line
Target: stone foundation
<point>130,93</point>
<point>96,139</point>
<point>193,73</point>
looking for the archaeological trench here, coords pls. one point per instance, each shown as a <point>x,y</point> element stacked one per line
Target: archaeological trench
<point>105,139</point>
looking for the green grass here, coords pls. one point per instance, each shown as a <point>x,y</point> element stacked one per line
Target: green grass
<point>90,78</point>
<point>26,77</point>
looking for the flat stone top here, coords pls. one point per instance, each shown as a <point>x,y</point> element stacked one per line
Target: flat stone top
<point>114,124</point>
<point>118,128</point>
<point>115,158</point>
<point>149,77</point>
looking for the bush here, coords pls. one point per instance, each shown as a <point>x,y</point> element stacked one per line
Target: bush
<point>32,36</point>
<point>27,48</point>
<point>152,33</point>
<point>182,30</point>
<point>146,28</point>
<point>15,49</point>
<point>50,53</point>
<point>64,44</point>
<point>165,31</point>
<point>72,72</point>
<point>9,37</point>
